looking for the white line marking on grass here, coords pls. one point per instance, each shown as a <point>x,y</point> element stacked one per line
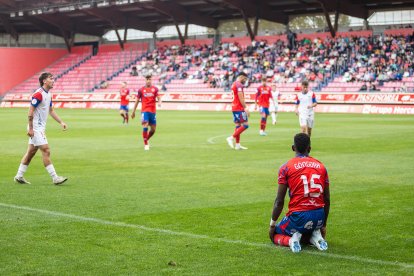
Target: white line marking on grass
<point>211,139</point>
<point>198,236</point>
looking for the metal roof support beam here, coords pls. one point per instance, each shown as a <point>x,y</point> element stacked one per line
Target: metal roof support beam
<point>121,43</point>
<point>10,29</point>
<point>248,26</point>
<point>328,20</point>
<point>69,38</point>
<point>256,26</point>
<point>180,35</point>
<point>125,34</point>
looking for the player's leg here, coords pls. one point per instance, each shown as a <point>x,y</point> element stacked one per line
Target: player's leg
<point>122,113</point>
<point>286,234</point>
<point>303,124</point>
<point>27,158</point>
<point>244,124</point>
<point>274,115</point>
<point>47,162</point>
<point>236,120</point>
<point>153,124</point>
<point>263,121</point>
<point>309,124</point>
<point>126,115</point>
<point>315,220</point>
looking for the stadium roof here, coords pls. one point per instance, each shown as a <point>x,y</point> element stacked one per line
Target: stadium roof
<point>95,17</point>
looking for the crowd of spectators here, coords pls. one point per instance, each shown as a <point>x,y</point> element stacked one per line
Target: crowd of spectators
<point>369,60</point>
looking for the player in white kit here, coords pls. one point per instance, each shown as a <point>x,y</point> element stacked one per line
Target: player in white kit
<point>40,108</point>
<point>305,103</point>
<point>274,108</point>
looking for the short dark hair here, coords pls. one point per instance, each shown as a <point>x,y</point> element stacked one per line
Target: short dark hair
<point>305,83</point>
<point>301,142</point>
<point>148,76</point>
<point>242,74</point>
<point>44,76</point>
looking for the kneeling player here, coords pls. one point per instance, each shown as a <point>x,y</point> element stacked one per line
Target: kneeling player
<point>308,184</point>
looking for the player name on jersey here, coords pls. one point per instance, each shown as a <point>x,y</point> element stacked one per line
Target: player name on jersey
<point>307,164</point>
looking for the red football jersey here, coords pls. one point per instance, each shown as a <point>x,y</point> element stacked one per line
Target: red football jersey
<point>148,97</point>
<point>124,96</point>
<point>307,179</point>
<point>236,104</point>
<point>264,93</point>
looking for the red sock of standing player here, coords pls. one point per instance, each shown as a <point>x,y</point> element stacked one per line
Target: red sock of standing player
<point>281,240</point>
<point>239,131</point>
<point>145,135</point>
<point>263,124</point>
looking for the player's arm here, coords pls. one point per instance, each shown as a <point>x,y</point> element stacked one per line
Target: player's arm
<point>277,208</point>
<point>243,103</point>
<point>314,102</point>
<point>297,105</point>
<point>135,105</point>
<point>159,99</point>
<point>327,200</point>
<point>30,132</point>
<point>57,118</point>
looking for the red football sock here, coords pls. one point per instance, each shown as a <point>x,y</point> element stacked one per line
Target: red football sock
<point>281,240</point>
<point>238,131</point>
<point>145,135</point>
<point>263,124</point>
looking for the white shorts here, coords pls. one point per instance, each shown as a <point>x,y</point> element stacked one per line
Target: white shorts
<point>38,139</point>
<point>273,108</point>
<point>306,121</point>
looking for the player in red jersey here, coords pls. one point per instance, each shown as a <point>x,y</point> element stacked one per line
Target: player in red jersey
<point>240,114</point>
<point>263,98</point>
<point>123,110</point>
<point>148,95</point>
<point>308,184</point>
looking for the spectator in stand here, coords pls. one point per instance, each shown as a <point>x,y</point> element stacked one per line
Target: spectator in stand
<point>363,87</point>
<point>134,71</point>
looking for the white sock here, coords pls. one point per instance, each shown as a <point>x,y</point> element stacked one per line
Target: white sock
<point>51,170</point>
<point>22,169</point>
<point>274,117</point>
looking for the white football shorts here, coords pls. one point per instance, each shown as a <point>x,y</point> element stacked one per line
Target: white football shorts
<point>307,120</point>
<point>38,139</point>
<point>273,108</point>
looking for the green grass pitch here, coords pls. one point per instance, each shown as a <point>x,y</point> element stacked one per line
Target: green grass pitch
<point>193,206</point>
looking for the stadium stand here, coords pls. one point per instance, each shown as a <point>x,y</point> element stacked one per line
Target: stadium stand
<point>353,61</point>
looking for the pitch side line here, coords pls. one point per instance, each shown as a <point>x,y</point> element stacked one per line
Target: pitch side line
<point>198,236</point>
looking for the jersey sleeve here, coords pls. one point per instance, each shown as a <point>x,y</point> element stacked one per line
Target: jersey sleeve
<point>37,99</point>
<point>156,92</point>
<point>282,177</point>
<point>139,95</point>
